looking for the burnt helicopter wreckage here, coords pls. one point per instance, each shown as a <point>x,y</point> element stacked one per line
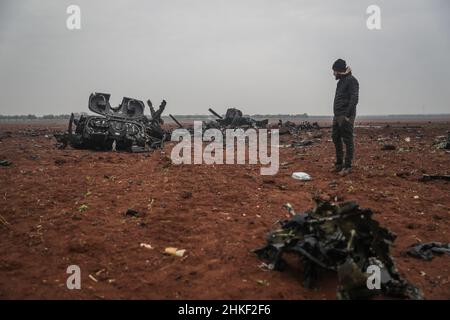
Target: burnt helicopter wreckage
<point>122,128</point>
<point>341,238</point>
<point>233,119</point>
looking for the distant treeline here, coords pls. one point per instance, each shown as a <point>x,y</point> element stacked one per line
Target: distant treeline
<point>35,117</point>
<point>199,116</point>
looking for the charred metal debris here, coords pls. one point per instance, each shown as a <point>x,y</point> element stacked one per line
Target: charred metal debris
<point>429,177</point>
<point>233,119</point>
<point>122,128</point>
<point>426,251</point>
<point>443,142</point>
<point>289,127</point>
<point>342,238</point>
<point>5,163</point>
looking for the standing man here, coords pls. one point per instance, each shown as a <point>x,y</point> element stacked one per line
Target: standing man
<point>345,101</point>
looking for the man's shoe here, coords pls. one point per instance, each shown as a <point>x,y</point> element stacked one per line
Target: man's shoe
<point>345,171</point>
<point>337,168</point>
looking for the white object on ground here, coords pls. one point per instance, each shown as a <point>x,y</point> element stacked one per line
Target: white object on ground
<point>146,245</point>
<point>175,251</point>
<point>301,176</point>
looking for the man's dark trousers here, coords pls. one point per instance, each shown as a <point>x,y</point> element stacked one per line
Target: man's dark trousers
<point>343,132</point>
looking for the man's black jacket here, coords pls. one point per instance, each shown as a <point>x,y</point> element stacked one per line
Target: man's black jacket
<point>346,98</point>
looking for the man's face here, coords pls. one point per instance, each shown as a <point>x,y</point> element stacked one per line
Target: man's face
<point>336,74</point>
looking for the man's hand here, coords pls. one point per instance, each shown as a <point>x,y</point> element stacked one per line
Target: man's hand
<point>341,120</point>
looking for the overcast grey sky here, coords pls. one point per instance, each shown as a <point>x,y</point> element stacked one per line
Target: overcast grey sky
<point>258,55</point>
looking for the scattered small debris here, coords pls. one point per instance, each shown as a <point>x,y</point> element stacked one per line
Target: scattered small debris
<point>425,250</point>
<point>302,143</point>
<point>146,246</point>
<point>442,142</point>
<point>99,272</point>
<point>289,127</point>
<point>303,176</point>
<point>429,177</point>
<point>264,283</point>
<point>150,204</point>
<point>92,278</point>
<point>174,251</point>
<point>3,220</point>
<point>83,208</point>
<point>388,147</point>
<point>5,163</point>
<point>132,213</point>
<point>265,266</point>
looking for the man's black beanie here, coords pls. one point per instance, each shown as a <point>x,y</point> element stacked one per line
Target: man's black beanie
<point>339,65</point>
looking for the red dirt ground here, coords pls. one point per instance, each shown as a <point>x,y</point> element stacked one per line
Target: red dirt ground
<point>217,213</point>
